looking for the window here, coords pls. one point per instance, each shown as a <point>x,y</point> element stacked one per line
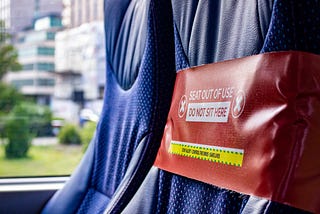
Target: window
<point>33,51</point>
<point>26,52</point>
<point>56,22</point>
<point>45,82</point>
<point>41,66</point>
<point>45,66</point>
<point>45,51</point>
<point>21,39</point>
<point>20,83</point>
<point>36,36</point>
<point>50,35</point>
<point>49,95</point>
<point>27,67</point>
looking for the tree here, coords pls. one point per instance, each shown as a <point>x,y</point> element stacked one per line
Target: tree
<point>69,134</point>
<point>19,137</point>
<point>39,118</point>
<point>8,54</point>
<point>25,121</point>
<point>87,133</point>
<point>9,97</point>
<point>18,133</point>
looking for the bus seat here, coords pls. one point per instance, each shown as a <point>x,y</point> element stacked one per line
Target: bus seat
<point>139,83</point>
<point>213,31</point>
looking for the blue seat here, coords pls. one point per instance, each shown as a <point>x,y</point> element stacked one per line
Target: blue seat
<point>213,31</point>
<point>139,84</point>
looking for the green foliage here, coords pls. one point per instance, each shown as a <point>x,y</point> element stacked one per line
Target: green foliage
<point>9,97</point>
<point>87,133</point>
<point>8,59</point>
<point>4,36</point>
<point>25,121</point>
<point>18,134</point>
<point>39,118</point>
<point>8,54</point>
<point>69,134</point>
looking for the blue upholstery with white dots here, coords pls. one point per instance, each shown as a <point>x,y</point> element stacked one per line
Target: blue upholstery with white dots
<point>139,84</point>
<point>212,31</point>
<point>294,26</point>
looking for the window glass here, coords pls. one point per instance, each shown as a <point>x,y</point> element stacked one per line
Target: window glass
<point>50,35</point>
<point>33,51</point>
<point>52,92</point>
<point>20,83</point>
<point>45,66</point>
<point>27,67</point>
<point>27,52</point>
<point>45,51</point>
<point>56,22</point>
<point>41,66</point>
<point>45,82</point>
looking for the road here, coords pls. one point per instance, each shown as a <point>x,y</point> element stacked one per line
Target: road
<point>44,141</point>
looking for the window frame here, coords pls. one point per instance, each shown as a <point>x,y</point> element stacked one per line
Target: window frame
<point>28,194</point>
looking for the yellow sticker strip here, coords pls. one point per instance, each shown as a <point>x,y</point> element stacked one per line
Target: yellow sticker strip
<point>223,155</point>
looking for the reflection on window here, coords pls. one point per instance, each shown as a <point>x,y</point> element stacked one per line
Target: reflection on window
<point>45,66</point>
<point>50,35</point>
<point>49,108</point>
<point>42,66</point>
<point>45,51</point>
<point>36,51</point>
<point>27,52</point>
<point>20,83</point>
<point>37,36</point>
<point>45,82</point>
<point>27,67</point>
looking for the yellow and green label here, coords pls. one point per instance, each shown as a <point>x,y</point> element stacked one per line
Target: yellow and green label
<point>223,155</point>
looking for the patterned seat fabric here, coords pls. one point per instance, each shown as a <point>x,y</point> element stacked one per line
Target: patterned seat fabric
<point>212,31</point>
<point>139,83</point>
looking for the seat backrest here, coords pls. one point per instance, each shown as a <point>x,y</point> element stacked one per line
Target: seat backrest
<point>212,31</point>
<point>139,83</point>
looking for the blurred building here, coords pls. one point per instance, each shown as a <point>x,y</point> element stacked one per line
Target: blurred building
<point>61,48</point>
<point>80,60</point>
<point>78,12</point>
<point>80,69</point>
<point>36,54</point>
<point>20,14</point>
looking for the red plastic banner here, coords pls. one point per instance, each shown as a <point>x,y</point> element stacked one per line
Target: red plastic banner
<point>250,125</point>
